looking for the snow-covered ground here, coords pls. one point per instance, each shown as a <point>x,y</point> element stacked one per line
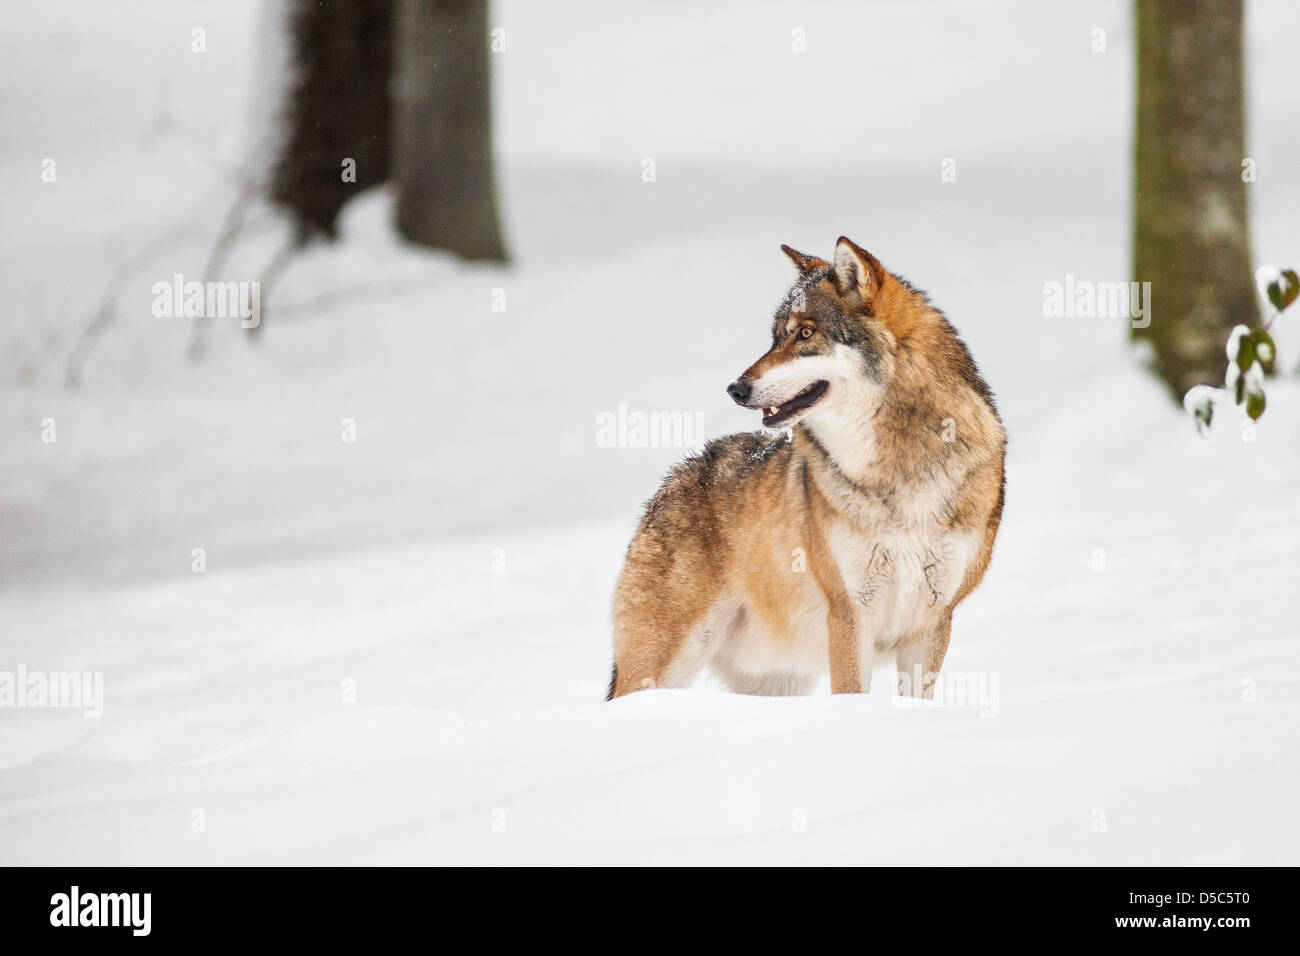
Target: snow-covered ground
<point>399,645</point>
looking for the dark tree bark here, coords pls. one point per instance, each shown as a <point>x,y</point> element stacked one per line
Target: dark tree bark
<point>338,109</point>
<point>1190,237</point>
<point>442,137</point>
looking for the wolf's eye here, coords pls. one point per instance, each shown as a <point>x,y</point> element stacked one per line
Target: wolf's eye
<point>805,332</point>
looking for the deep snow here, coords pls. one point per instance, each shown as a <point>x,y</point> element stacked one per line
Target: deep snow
<point>398,649</point>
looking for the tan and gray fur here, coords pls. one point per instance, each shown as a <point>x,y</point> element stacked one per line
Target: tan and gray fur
<point>851,532</point>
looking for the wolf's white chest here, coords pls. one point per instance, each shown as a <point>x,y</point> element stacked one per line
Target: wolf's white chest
<point>900,583</point>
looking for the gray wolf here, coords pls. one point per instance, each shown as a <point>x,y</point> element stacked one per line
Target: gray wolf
<point>850,530</point>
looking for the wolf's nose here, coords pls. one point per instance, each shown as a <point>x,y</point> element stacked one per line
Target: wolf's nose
<point>739,391</point>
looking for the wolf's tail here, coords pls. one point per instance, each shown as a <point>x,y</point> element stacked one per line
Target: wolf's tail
<point>613,679</point>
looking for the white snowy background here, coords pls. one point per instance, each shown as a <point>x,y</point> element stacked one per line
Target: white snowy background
<point>1139,614</point>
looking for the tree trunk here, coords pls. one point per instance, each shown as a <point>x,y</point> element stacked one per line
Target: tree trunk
<point>1190,236</point>
<point>338,110</point>
<point>442,156</point>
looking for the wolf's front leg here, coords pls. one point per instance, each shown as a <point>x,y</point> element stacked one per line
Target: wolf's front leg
<point>920,656</point>
<point>850,651</point>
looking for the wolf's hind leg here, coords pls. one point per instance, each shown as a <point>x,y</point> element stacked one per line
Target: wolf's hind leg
<point>668,601</point>
<point>652,653</point>
<point>639,671</point>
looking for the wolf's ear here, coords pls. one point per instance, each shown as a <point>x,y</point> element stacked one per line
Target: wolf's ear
<point>857,272</point>
<point>803,264</point>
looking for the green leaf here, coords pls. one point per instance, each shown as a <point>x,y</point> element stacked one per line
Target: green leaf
<point>1246,351</point>
<point>1282,292</point>
<point>1264,348</point>
<point>1292,287</point>
<point>1255,405</point>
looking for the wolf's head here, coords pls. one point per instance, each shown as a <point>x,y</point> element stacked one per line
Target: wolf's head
<point>832,348</point>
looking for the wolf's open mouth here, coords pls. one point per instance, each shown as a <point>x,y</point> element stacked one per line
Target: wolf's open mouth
<point>774,416</point>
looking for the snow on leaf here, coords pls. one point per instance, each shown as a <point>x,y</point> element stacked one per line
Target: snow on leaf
<point>1255,380</point>
<point>1200,402</point>
<point>1254,391</point>
<point>1265,276</point>
<point>1234,341</point>
<point>1232,375</point>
